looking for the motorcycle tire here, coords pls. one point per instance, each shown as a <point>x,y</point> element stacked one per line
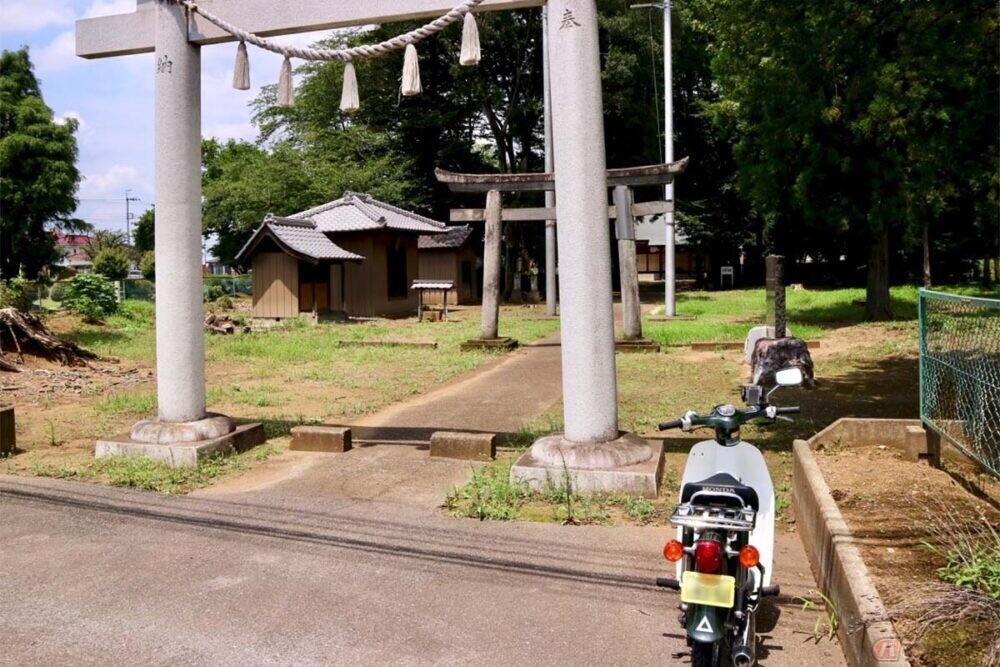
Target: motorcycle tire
<point>705,654</point>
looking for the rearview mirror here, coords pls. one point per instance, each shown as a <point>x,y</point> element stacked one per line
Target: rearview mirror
<point>789,377</point>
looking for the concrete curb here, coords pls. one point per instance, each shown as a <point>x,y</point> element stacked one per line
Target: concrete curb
<point>864,626</point>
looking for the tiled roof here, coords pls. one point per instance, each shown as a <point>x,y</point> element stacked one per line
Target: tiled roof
<point>301,238</point>
<point>357,212</point>
<point>453,237</point>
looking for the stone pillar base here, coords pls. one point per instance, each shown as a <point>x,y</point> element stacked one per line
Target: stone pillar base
<point>185,443</point>
<point>629,464</point>
<point>501,344</point>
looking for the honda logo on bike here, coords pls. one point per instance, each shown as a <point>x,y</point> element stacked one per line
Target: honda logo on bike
<point>886,650</point>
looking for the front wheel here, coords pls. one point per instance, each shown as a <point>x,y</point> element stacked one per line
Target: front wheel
<point>705,654</point>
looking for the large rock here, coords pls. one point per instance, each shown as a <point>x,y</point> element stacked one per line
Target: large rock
<point>755,335</point>
<point>770,355</point>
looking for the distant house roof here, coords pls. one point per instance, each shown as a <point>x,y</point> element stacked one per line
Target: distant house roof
<point>653,230</point>
<point>72,239</point>
<point>299,238</point>
<point>453,237</point>
<point>357,212</point>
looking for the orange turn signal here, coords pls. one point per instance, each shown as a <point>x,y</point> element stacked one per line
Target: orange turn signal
<point>749,556</point>
<point>673,551</point>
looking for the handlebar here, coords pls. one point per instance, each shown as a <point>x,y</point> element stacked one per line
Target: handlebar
<point>677,423</point>
<point>789,410</point>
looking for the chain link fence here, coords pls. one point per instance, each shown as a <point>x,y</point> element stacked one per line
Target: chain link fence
<point>47,297</point>
<point>960,372</point>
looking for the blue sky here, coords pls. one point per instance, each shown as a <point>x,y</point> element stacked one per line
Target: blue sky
<point>113,98</point>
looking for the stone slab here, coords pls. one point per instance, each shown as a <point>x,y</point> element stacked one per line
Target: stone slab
<point>335,439</point>
<point>637,345</point>
<point>675,318</point>
<point>501,344</point>
<point>701,346</point>
<point>755,334</point>
<point>907,436</point>
<point>388,343</point>
<point>8,436</point>
<point>184,454</point>
<point>464,445</point>
<point>641,479</point>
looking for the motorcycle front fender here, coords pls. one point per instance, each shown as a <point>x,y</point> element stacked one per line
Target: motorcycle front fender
<point>705,624</point>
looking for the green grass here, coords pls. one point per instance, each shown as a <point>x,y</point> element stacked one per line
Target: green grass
<point>148,475</point>
<point>128,404</point>
<point>727,316</point>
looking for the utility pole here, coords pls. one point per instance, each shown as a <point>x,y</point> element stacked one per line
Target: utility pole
<point>669,268</point>
<point>550,196</point>
<point>128,217</point>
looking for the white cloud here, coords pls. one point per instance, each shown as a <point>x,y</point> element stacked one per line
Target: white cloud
<point>115,179</point>
<point>57,55</point>
<point>109,7</point>
<point>71,113</point>
<point>28,15</point>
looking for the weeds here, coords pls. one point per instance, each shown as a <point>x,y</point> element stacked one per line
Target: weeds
<point>489,494</point>
<point>145,474</point>
<point>136,403</point>
<point>50,426</point>
<point>827,621</point>
<point>970,549</point>
<point>961,614</point>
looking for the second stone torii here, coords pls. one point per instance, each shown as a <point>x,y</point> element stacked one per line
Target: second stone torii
<point>623,212</point>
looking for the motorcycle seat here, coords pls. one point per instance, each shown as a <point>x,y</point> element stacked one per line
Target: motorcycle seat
<point>721,482</point>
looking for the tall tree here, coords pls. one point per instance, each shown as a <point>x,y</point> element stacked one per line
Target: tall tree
<point>38,174</point>
<point>143,236</point>
<point>859,122</point>
<point>710,212</point>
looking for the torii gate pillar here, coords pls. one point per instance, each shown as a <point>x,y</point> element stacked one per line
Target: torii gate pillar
<point>591,449</point>
<point>588,337</point>
<point>180,337</point>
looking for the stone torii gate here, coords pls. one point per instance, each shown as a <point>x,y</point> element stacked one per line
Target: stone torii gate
<point>623,212</point>
<point>175,37</point>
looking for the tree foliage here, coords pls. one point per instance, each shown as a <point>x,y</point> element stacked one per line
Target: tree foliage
<point>837,131</point>
<point>112,263</point>
<point>858,122</point>
<point>147,266</point>
<point>143,237</point>
<point>38,174</point>
<point>101,240</point>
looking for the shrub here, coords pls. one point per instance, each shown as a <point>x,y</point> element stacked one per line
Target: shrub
<point>147,265</point>
<point>112,263</point>
<point>58,292</point>
<point>212,292</point>
<point>16,293</point>
<point>92,296</point>
<point>225,303</point>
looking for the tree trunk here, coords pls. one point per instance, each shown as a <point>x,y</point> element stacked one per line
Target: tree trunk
<point>927,255</point>
<point>877,304</point>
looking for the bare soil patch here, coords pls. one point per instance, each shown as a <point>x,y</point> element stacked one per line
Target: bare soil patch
<point>896,509</point>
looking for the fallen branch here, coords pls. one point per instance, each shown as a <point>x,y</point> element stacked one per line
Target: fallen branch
<point>28,333</point>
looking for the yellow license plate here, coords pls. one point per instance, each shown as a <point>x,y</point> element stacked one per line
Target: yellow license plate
<point>714,590</point>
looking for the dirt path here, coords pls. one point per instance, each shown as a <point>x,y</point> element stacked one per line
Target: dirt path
<point>500,398</point>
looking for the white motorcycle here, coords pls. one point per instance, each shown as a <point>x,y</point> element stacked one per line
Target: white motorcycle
<point>725,530</point>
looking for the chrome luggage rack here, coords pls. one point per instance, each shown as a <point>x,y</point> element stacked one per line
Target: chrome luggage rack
<point>701,517</point>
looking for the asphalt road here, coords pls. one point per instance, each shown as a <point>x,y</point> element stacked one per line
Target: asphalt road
<point>92,575</point>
